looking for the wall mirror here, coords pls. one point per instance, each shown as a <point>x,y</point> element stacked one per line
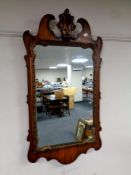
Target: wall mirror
<point>63,70</point>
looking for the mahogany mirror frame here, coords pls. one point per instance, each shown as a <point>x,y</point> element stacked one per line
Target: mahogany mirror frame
<point>68,152</point>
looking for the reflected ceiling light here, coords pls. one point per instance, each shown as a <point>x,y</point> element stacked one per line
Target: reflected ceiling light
<point>83,78</point>
<point>79,60</point>
<point>61,65</point>
<point>53,67</point>
<point>89,66</point>
<point>85,34</point>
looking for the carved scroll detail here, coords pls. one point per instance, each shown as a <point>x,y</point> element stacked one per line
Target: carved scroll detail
<point>66,25</point>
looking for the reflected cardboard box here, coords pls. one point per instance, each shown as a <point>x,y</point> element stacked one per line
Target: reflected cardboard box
<point>70,91</point>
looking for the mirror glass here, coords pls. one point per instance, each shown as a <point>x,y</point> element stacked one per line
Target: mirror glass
<point>64,92</point>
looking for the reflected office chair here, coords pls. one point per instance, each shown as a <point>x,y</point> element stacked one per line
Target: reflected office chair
<point>65,105</point>
<point>54,108</point>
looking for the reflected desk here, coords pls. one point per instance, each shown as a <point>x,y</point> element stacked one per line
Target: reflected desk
<point>53,97</point>
<point>56,105</point>
<point>87,90</point>
<point>47,91</point>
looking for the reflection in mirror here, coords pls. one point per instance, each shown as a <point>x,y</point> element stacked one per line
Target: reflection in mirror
<point>64,93</point>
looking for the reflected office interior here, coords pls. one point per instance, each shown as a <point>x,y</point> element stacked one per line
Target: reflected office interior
<point>64,92</point>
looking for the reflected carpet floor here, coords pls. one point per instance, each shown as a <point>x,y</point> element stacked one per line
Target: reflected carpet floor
<point>60,130</point>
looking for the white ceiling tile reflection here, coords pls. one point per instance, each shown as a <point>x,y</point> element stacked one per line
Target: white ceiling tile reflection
<point>51,56</point>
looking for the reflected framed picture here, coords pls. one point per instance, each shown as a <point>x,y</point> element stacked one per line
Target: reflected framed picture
<point>81,129</point>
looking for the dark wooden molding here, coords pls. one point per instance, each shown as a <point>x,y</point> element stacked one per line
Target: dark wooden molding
<point>69,152</point>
